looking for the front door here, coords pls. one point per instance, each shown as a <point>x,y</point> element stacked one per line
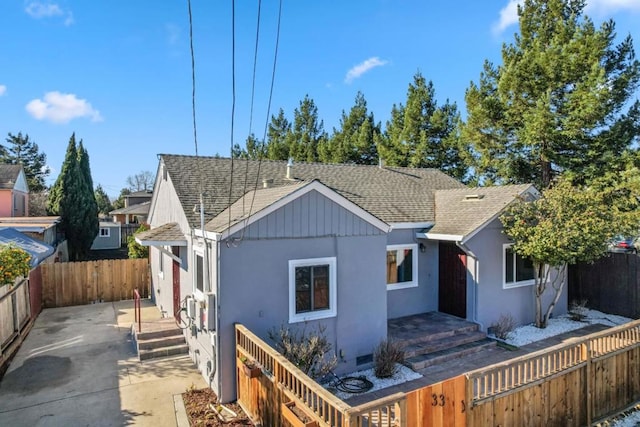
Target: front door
<point>452,281</point>
<point>176,283</point>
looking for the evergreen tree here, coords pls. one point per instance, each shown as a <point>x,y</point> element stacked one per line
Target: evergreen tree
<point>355,141</point>
<point>103,201</point>
<point>422,134</point>
<point>119,202</point>
<point>277,147</point>
<point>557,102</point>
<point>21,150</point>
<point>307,132</point>
<point>73,199</point>
<point>89,207</point>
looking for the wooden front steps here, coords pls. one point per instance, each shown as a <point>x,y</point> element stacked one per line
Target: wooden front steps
<point>433,338</point>
<point>159,339</point>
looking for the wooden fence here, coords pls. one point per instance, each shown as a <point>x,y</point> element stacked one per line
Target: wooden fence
<point>610,284</point>
<point>572,384</point>
<point>78,283</point>
<point>16,319</point>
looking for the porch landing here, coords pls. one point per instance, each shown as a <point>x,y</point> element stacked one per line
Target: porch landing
<point>433,338</point>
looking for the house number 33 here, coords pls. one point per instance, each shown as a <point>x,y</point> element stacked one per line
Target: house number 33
<point>437,399</point>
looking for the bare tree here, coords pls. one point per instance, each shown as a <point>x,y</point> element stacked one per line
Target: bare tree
<point>142,181</point>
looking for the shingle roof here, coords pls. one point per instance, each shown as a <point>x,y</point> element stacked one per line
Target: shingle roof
<point>9,175</point>
<point>460,212</point>
<point>251,203</point>
<point>391,194</point>
<point>167,233</point>
<point>139,209</point>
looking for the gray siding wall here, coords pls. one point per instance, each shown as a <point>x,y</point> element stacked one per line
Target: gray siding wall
<point>109,242</point>
<point>311,215</point>
<point>492,299</point>
<point>167,208</point>
<point>255,292</point>
<point>405,302</point>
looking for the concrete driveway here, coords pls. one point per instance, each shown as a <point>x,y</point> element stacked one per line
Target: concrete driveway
<point>78,367</point>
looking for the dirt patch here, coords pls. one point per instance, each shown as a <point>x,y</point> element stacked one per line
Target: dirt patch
<point>200,413</point>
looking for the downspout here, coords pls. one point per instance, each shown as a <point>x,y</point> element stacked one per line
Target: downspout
<point>218,305</point>
<point>464,248</point>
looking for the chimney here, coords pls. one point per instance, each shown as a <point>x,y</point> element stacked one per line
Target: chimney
<point>289,166</point>
<point>267,183</point>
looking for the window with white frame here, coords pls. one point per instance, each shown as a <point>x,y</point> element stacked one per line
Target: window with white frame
<point>312,289</point>
<point>402,266</point>
<point>105,232</point>
<point>517,270</point>
<point>198,279</point>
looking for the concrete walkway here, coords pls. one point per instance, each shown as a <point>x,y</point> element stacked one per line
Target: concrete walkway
<point>78,367</point>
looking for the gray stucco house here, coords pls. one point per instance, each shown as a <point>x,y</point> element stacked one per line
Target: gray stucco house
<point>346,246</point>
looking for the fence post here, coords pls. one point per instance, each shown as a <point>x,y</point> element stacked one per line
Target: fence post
<point>586,348</point>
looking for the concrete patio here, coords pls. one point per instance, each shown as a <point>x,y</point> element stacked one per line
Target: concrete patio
<point>78,367</point>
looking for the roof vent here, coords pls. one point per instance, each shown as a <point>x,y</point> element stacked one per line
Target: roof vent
<point>474,197</point>
<point>289,167</point>
<point>266,183</point>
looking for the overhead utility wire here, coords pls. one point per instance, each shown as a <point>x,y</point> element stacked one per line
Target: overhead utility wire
<point>266,122</point>
<point>233,97</point>
<point>253,91</point>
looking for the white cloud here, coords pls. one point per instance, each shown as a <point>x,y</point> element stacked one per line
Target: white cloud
<point>3,90</point>
<point>363,67</point>
<point>62,108</point>
<point>509,13</point>
<point>508,17</point>
<point>607,7</point>
<point>38,10</point>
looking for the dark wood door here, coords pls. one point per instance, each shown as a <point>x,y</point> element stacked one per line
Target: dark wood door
<point>452,280</point>
<point>176,283</point>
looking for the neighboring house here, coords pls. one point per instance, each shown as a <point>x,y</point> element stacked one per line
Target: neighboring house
<point>108,236</point>
<point>135,210</point>
<point>14,191</point>
<point>345,246</point>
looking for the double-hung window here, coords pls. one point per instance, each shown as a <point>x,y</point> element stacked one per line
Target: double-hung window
<point>105,232</point>
<point>312,289</point>
<point>517,270</point>
<point>402,266</point>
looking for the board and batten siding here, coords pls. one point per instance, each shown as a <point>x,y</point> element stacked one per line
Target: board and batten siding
<point>311,215</point>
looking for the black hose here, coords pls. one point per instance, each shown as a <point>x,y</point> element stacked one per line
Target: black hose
<point>352,384</point>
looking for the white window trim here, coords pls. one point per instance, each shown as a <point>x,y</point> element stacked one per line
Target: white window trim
<point>512,285</point>
<point>333,298</point>
<point>108,234</point>
<point>414,265</point>
<point>198,250</point>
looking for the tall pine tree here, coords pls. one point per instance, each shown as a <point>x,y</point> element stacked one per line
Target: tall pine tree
<point>557,102</point>
<point>423,134</point>
<point>277,146</point>
<point>355,141</point>
<point>88,207</point>
<point>307,132</point>
<point>21,150</point>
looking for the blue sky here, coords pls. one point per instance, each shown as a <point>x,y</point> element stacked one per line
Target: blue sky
<point>118,72</point>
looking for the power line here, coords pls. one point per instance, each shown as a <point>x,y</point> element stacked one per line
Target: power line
<point>233,96</point>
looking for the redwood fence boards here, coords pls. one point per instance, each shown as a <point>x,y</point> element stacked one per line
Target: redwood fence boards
<point>610,284</point>
<point>575,383</point>
<point>78,283</point>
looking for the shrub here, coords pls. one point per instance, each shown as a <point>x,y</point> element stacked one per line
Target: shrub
<point>578,310</point>
<point>14,263</point>
<point>503,326</point>
<point>136,250</point>
<point>386,356</point>
<point>309,351</point>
